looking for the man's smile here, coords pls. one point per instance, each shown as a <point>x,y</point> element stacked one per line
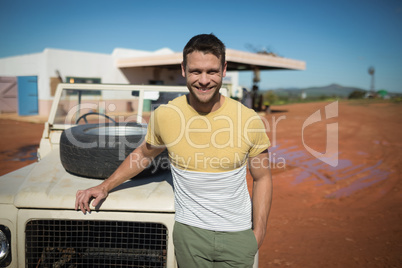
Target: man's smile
<point>204,89</point>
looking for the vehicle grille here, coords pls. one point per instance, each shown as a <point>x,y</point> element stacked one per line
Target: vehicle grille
<point>79,243</point>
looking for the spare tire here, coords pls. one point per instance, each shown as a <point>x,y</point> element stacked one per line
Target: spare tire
<point>97,150</point>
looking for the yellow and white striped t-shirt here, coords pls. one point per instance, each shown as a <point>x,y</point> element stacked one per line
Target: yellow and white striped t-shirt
<point>208,154</point>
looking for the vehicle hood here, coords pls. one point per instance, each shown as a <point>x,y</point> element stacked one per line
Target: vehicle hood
<point>48,185</point>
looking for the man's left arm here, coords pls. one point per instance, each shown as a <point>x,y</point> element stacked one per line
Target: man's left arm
<point>259,167</point>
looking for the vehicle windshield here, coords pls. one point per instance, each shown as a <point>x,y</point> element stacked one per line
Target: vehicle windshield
<point>76,106</point>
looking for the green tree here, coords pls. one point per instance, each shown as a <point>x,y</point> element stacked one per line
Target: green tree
<point>269,98</point>
<point>357,94</point>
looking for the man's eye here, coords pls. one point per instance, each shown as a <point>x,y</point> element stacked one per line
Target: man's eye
<point>213,72</point>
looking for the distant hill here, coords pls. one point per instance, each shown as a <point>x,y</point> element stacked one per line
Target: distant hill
<point>317,92</point>
<point>331,90</point>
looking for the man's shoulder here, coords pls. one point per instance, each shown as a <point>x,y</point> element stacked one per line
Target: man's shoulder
<point>234,105</point>
<point>172,106</point>
<point>181,100</point>
<point>178,102</point>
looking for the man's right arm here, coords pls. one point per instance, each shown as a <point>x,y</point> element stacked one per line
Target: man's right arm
<point>131,166</point>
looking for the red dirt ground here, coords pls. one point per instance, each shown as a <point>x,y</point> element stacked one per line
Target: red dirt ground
<point>322,216</point>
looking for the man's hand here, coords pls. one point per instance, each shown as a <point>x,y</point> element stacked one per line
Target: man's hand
<point>259,236</point>
<point>84,197</point>
<point>124,172</point>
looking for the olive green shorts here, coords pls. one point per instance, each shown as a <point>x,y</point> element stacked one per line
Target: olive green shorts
<point>196,247</point>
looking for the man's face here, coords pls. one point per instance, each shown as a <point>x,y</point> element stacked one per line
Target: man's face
<point>204,74</point>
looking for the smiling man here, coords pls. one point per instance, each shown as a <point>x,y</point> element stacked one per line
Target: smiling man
<point>210,140</point>
<point>204,72</point>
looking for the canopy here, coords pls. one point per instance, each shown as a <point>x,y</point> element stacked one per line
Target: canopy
<point>236,60</point>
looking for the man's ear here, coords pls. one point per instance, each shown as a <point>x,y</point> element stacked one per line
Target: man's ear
<point>183,69</point>
<point>224,69</point>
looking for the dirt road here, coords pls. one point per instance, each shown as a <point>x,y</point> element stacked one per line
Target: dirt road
<point>348,215</point>
<point>19,141</point>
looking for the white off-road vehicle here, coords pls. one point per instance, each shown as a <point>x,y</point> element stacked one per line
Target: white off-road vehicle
<point>90,130</point>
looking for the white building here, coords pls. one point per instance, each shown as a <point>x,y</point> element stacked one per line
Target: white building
<point>28,82</point>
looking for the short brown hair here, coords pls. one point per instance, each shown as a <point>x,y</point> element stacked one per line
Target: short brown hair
<point>206,43</point>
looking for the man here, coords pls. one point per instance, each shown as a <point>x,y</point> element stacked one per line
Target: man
<point>209,139</point>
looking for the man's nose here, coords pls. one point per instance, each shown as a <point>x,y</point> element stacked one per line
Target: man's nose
<point>204,79</point>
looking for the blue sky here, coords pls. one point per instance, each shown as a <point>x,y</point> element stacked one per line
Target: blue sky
<point>338,39</point>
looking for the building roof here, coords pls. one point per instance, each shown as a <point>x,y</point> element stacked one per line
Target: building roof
<point>237,61</point>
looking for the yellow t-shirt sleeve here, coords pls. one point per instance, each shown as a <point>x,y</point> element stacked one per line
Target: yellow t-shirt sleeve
<point>257,136</point>
<point>153,135</point>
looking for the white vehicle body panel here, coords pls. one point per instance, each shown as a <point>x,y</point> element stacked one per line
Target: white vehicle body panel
<point>48,185</point>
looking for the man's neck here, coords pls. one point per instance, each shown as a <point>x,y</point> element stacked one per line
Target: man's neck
<point>206,108</point>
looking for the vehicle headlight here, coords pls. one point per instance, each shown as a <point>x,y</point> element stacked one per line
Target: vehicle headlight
<point>4,246</point>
